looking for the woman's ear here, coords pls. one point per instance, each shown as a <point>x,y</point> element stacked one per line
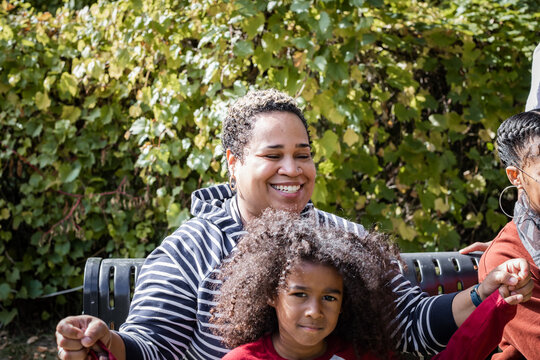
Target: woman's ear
<point>271,302</point>
<point>512,173</point>
<point>231,161</point>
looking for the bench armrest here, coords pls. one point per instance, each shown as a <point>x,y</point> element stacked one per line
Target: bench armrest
<point>108,288</point>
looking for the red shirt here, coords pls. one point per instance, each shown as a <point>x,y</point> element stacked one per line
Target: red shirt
<point>264,349</point>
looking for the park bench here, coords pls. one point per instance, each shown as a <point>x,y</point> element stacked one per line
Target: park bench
<point>109,282</point>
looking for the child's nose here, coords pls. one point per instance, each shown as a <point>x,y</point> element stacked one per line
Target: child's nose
<point>314,309</point>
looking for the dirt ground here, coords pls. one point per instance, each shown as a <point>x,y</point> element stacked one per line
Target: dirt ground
<point>29,344</point>
<point>29,336</point>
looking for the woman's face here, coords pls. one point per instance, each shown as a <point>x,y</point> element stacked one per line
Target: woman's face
<point>277,170</point>
<point>530,176</point>
<point>307,310</point>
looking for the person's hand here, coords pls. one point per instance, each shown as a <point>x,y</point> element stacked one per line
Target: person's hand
<point>512,278</point>
<point>75,335</point>
<point>477,246</point>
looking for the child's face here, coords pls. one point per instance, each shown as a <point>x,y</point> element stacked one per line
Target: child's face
<point>308,309</point>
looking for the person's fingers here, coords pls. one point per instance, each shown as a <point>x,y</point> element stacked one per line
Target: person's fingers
<point>494,280</point>
<point>519,267</point>
<point>514,299</point>
<point>96,330</point>
<point>76,334</point>
<point>72,355</point>
<point>70,328</point>
<point>67,343</point>
<point>504,291</point>
<point>525,291</point>
<point>523,282</point>
<point>477,246</point>
<point>68,334</point>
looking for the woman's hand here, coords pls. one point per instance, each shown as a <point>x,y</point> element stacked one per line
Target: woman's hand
<point>477,246</point>
<point>75,335</point>
<point>512,278</point>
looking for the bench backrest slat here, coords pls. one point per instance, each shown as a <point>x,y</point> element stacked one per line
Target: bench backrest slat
<point>109,283</point>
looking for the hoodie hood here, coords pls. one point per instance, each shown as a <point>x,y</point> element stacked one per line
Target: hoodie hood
<point>217,204</point>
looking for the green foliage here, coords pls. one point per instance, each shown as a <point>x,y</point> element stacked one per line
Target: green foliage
<point>110,118</point>
<point>52,5</point>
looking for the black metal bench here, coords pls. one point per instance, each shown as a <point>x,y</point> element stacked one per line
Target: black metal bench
<point>109,283</point>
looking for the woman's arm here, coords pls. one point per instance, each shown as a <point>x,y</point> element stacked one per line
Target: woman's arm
<point>170,310</point>
<point>514,273</point>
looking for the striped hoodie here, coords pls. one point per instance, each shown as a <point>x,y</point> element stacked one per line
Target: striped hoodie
<point>169,314</point>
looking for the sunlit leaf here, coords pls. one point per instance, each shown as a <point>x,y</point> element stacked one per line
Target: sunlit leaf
<point>42,100</point>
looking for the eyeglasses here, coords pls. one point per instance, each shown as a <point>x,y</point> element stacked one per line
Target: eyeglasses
<point>523,171</point>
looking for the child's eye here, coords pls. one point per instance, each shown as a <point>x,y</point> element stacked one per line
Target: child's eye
<point>299,294</point>
<point>329,298</point>
<point>304,156</point>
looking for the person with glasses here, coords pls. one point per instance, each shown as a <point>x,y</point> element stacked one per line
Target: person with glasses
<point>533,102</point>
<point>518,144</point>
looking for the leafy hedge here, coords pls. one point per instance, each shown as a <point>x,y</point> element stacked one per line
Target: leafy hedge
<point>110,118</point>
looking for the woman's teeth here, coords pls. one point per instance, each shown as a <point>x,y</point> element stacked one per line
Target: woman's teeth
<point>288,189</point>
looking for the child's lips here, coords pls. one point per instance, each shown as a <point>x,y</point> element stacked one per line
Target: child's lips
<point>312,327</point>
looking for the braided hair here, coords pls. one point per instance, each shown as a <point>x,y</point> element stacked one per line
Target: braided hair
<point>515,136</point>
<point>238,124</point>
<point>276,242</point>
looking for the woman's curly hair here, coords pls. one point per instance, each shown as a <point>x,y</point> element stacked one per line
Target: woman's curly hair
<point>277,241</point>
<point>238,124</point>
<point>515,135</point>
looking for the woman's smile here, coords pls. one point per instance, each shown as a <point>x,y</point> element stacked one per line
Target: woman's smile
<point>288,189</point>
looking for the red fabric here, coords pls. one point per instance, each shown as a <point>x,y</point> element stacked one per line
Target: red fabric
<point>479,335</point>
<point>101,355</point>
<point>521,337</point>
<point>264,349</point>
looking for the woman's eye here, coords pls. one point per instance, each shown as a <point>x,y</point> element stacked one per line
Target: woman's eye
<point>272,156</point>
<point>299,294</point>
<point>329,298</point>
<point>304,156</point>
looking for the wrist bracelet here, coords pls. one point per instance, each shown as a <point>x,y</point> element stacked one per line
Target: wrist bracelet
<point>475,297</point>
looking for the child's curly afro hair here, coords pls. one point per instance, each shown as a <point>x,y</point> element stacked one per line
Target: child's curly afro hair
<point>277,241</point>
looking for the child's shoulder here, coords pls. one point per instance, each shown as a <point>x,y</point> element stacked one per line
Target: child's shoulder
<point>339,349</point>
<point>255,350</point>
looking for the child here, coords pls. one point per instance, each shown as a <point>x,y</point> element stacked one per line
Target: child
<point>295,289</point>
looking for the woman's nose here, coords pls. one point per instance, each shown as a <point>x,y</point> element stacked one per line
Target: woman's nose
<point>290,168</point>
